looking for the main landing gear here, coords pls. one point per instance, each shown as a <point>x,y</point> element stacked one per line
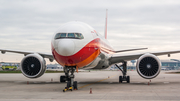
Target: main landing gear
<point>124,72</point>
<point>71,84</point>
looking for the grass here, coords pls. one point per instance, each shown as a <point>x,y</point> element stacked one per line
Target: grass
<point>172,72</point>
<point>16,71</point>
<point>176,72</point>
<point>19,71</point>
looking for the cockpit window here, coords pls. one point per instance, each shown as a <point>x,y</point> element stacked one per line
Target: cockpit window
<point>81,36</point>
<point>63,35</point>
<point>77,35</point>
<point>60,35</point>
<point>69,35</point>
<point>57,35</point>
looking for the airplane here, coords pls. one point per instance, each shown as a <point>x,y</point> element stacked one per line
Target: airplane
<point>76,45</point>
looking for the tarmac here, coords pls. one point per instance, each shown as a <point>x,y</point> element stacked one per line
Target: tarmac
<point>104,85</point>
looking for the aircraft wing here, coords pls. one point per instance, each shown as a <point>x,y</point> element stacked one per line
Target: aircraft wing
<point>44,55</point>
<point>116,58</point>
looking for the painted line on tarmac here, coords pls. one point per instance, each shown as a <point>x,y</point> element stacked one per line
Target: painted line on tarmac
<point>96,82</point>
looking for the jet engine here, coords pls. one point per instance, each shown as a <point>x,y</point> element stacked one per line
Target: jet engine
<point>148,66</point>
<point>33,66</point>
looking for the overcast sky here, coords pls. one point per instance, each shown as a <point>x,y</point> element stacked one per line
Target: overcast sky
<point>29,24</point>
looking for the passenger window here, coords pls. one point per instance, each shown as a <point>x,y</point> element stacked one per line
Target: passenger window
<point>71,35</point>
<point>96,34</point>
<point>63,35</point>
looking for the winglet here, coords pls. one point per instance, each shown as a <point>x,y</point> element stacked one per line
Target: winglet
<point>105,32</point>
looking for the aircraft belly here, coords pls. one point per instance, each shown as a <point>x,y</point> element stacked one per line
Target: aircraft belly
<point>92,64</point>
<point>101,62</point>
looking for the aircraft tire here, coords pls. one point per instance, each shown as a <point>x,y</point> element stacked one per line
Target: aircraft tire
<point>75,85</point>
<point>62,79</point>
<point>128,79</point>
<point>68,84</point>
<point>120,79</point>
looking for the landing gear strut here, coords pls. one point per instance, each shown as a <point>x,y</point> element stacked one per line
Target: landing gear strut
<point>71,84</point>
<point>124,72</point>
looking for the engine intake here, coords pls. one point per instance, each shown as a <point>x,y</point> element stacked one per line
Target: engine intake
<point>33,66</point>
<point>148,66</point>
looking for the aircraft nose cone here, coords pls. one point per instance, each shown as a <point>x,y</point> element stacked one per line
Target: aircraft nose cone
<point>66,47</point>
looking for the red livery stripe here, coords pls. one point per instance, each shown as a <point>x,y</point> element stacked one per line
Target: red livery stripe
<point>83,57</point>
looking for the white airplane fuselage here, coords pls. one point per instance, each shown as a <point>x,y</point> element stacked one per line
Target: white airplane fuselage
<point>87,52</point>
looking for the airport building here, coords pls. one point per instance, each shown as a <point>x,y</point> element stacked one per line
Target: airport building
<point>9,66</point>
<point>172,64</point>
<point>54,66</point>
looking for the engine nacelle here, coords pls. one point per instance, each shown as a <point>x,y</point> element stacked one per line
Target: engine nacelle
<point>148,66</point>
<point>33,66</point>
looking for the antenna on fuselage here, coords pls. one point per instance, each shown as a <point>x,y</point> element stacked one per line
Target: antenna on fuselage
<point>105,31</point>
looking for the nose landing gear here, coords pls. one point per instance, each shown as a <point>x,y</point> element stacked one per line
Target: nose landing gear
<point>71,84</point>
